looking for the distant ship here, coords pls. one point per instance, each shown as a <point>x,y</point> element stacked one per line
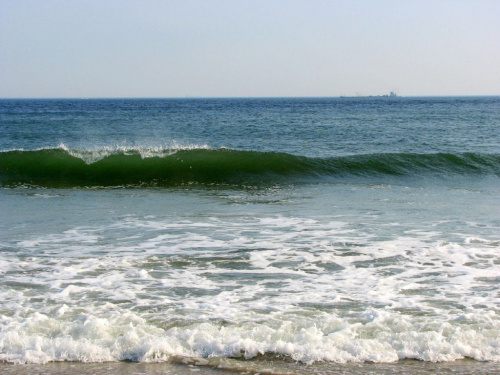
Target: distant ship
<point>392,94</point>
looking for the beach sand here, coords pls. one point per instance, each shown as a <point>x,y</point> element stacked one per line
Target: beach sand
<point>228,366</point>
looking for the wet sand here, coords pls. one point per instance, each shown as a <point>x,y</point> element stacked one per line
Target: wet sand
<point>111,368</point>
<point>233,367</point>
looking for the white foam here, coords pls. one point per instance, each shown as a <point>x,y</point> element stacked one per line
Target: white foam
<point>92,155</point>
<point>377,337</point>
<point>311,289</point>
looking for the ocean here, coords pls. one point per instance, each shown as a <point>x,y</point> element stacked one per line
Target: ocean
<point>258,235</point>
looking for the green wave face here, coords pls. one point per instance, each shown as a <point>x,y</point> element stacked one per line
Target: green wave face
<point>65,168</point>
<point>59,168</point>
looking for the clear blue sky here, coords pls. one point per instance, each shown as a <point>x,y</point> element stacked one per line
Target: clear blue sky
<point>228,48</point>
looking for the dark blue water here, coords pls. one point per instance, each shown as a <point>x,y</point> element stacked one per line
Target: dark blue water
<point>308,127</point>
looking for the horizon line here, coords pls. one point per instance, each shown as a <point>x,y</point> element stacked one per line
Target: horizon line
<point>245,97</point>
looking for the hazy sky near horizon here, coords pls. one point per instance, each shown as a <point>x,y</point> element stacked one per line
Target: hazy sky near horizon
<point>247,48</point>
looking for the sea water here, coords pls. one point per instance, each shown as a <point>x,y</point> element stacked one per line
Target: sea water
<point>250,233</point>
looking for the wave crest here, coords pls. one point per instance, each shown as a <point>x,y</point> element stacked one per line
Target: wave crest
<point>63,167</point>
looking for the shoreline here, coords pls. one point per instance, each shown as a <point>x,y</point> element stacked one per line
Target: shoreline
<point>221,366</point>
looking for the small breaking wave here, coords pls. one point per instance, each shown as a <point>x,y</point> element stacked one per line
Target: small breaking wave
<point>381,338</point>
<point>166,167</point>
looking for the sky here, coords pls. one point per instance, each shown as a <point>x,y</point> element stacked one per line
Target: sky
<point>248,48</point>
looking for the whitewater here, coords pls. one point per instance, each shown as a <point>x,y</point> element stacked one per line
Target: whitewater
<point>253,235</point>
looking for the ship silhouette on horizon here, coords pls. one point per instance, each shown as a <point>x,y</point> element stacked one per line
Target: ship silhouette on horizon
<point>392,94</point>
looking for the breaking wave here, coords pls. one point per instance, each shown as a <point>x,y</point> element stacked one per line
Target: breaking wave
<point>62,167</point>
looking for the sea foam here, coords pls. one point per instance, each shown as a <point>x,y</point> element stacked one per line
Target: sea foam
<point>313,290</point>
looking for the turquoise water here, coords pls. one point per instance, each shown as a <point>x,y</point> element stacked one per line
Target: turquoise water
<point>322,231</point>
